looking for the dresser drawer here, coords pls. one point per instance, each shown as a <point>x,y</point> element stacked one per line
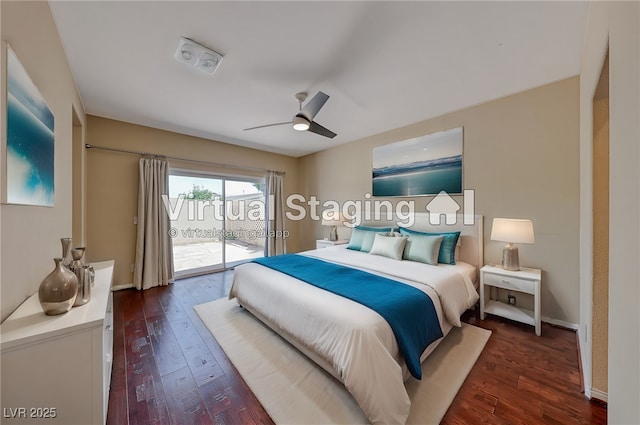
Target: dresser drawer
<point>509,282</point>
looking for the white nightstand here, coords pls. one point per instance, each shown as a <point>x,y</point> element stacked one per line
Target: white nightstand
<point>525,280</point>
<point>325,243</point>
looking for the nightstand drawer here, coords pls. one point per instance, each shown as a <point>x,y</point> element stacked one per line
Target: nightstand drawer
<point>509,282</point>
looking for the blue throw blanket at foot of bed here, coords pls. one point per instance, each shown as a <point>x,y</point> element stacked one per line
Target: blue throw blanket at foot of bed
<point>409,311</point>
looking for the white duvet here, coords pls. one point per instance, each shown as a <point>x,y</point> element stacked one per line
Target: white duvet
<point>354,341</point>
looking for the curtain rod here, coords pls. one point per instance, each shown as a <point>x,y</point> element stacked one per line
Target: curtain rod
<point>218,164</point>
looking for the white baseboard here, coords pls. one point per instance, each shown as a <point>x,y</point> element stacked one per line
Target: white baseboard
<point>562,323</point>
<point>584,366</point>
<point>600,395</point>
<point>121,287</point>
<point>587,392</point>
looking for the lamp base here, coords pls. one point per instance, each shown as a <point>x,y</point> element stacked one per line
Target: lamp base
<point>333,234</point>
<point>510,258</point>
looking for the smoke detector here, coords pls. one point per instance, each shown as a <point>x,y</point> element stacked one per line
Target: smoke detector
<point>194,54</point>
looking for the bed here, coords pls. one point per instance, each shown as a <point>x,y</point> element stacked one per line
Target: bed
<point>350,341</point>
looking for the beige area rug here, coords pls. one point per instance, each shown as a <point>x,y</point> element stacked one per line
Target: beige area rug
<point>293,390</point>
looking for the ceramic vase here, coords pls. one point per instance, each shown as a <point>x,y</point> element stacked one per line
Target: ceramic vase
<point>58,290</point>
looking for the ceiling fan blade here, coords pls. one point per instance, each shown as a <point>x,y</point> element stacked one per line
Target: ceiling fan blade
<point>268,125</point>
<point>314,105</point>
<point>314,127</point>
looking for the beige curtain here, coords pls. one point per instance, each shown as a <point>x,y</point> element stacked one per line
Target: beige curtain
<point>154,258</point>
<point>276,242</point>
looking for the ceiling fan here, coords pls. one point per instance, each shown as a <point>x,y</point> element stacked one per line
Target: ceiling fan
<point>303,120</point>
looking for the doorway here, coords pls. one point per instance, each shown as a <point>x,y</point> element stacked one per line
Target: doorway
<point>217,222</point>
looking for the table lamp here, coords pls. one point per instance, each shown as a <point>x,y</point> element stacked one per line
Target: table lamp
<point>512,230</point>
<point>333,219</point>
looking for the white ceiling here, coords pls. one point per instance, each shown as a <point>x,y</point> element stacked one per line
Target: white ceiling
<point>384,64</point>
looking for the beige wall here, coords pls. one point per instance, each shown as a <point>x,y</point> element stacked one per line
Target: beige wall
<point>520,157</point>
<point>614,26</point>
<point>112,182</point>
<point>31,235</point>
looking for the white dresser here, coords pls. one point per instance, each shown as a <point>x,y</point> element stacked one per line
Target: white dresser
<point>57,369</point>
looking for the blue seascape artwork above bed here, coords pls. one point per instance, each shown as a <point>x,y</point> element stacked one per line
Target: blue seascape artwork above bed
<point>30,140</point>
<point>423,165</point>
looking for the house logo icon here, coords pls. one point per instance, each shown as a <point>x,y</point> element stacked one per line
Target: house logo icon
<point>444,205</point>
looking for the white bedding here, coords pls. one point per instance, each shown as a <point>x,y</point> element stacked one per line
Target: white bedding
<point>443,278</point>
<point>355,341</point>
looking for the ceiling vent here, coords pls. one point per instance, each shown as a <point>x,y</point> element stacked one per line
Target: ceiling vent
<point>197,55</point>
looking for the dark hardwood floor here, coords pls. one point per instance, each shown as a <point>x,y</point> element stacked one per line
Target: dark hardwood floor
<point>168,369</point>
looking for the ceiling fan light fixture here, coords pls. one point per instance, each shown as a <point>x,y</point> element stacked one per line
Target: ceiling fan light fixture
<point>303,120</point>
<point>300,123</point>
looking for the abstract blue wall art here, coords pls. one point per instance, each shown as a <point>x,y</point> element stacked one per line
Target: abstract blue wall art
<point>30,140</point>
<point>423,165</point>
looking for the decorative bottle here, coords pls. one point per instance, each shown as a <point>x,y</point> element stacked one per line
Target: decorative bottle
<point>77,254</point>
<point>66,251</point>
<point>58,290</point>
<point>84,285</point>
<point>82,273</point>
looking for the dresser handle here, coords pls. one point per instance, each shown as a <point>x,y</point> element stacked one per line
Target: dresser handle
<point>506,281</point>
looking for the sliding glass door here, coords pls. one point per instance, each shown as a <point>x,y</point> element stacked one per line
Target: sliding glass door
<point>216,221</point>
<point>244,220</point>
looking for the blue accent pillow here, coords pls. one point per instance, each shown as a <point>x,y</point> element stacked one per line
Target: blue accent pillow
<point>447,254</point>
<point>362,237</point>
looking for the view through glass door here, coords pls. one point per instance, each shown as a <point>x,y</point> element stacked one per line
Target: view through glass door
<point>216,222</point>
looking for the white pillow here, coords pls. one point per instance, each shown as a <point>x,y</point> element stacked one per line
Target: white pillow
<point>423,248</point>
<point>388,246</point>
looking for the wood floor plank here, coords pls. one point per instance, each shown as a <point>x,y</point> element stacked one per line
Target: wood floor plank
<point>166,350</point>
<point>151,303</point>
<point>183,399</point>
<point>168,368</point>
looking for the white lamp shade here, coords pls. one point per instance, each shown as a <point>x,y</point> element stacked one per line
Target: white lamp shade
<point>513,230</point>
<point>331,218</point>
